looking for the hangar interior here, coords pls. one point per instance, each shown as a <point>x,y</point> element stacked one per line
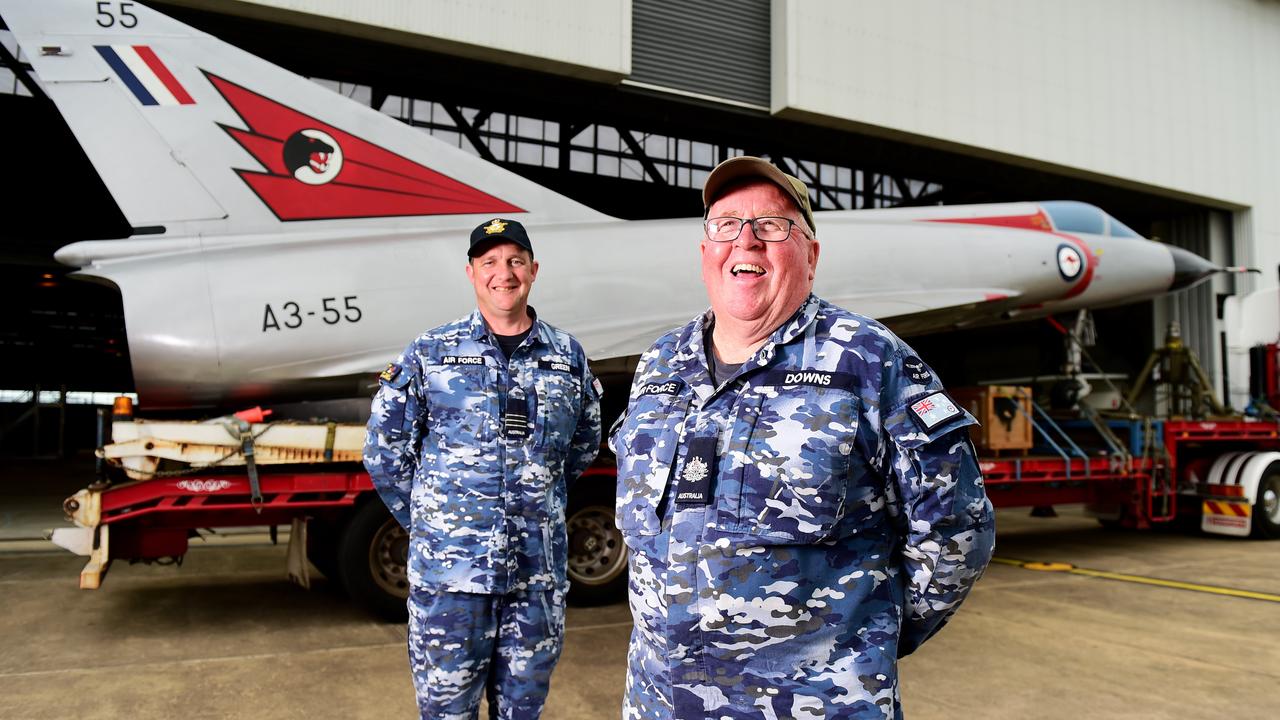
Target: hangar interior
<point>634,145</point>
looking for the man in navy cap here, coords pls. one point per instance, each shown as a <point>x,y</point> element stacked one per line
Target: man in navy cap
<point>476,430</point>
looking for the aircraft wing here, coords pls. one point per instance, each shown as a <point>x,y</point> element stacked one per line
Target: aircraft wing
<point>915,311</point>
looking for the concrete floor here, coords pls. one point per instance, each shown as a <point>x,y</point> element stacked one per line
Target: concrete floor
<point>225,636</point>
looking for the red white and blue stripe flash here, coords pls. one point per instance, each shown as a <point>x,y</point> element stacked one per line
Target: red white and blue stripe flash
<point>145,75</point>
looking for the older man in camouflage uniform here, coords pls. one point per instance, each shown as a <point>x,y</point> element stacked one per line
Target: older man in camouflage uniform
<point>475,431</point>
<point>799,494</point>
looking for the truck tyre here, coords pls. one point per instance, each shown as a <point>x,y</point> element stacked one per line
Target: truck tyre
<point>1266,509</point>
<point>373,552</point>
<point>597,556</point>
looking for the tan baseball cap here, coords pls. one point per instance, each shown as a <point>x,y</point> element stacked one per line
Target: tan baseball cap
<point>748,166</point>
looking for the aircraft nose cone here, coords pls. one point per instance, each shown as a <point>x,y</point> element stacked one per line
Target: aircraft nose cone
<point>1188,268</point>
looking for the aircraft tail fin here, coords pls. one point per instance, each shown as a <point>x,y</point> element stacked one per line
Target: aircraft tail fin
<point>194,136</point>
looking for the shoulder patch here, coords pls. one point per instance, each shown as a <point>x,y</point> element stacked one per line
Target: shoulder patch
<point>390,373</point>
<point>599,387</point>
<point>932,410</point>
<point>394,376</point>
<point>916,371</point>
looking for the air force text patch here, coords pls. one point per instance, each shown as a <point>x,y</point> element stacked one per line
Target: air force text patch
<point>462,360</point>
<point>667,387</point>
<point>933,410</point>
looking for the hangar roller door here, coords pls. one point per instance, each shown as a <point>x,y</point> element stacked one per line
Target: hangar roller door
<point>717,48</point>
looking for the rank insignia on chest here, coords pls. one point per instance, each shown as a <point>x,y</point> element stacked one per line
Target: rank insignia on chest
<point>515,417</point>
<point>694,486</point>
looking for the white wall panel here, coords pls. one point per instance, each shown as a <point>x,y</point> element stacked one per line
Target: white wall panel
<point>1168,94</point>
<point>585,38</point>
<point>1266,153</point>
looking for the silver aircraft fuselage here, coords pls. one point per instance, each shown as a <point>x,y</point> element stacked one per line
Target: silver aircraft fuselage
<point>246,319</point>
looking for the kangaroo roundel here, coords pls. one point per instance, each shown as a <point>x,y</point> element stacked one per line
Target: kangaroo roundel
<point>1070,262</point>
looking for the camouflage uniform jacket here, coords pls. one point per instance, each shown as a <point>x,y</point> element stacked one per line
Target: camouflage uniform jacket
<point>832,523</point>
<point>485,512</point>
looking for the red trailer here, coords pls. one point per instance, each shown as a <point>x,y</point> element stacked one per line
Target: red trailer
<point>1130,473</point>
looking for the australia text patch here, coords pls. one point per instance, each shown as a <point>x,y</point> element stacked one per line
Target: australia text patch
<point>666,387</point>
<point>933,410</point>
<point>462,360</point>
<point>816,378</point>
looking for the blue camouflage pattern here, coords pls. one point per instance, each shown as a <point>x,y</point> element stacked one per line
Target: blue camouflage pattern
<point>461,643</point>
<point>841,530</point>
<point>485,512</point>
<point>484,508</point>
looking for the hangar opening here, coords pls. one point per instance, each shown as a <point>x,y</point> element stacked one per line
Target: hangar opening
<point>638,149</point>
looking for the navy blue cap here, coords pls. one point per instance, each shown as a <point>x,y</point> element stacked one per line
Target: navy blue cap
<point>498,229</point>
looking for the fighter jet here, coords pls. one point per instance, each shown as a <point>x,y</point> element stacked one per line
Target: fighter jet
<point>287,241</point>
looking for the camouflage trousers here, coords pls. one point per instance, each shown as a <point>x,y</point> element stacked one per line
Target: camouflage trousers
<point>506,645</point>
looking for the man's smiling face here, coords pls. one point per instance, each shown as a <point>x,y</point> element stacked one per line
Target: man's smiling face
<point>752,281</point>
<point>502,277</point>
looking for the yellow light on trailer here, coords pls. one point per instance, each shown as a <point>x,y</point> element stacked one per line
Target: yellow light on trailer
<point>122,408</point>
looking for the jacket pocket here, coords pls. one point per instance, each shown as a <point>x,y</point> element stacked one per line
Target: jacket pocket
<point>463,404</point>
<point>796,475</point>
<point>559,404</point>
<point>646,442</point>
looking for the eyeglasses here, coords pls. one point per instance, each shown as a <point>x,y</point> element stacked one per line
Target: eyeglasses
<point>768,229</point>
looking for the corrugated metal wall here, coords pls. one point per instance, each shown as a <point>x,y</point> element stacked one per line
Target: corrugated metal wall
<point>719,48</point>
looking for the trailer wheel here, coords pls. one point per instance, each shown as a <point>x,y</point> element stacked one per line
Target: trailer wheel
<point>373,553</point>
<point>597,556</point>
<point>1266,509</point>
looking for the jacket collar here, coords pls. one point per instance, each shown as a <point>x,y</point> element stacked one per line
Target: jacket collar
<point>478,329</point>
<point>689,360</point>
